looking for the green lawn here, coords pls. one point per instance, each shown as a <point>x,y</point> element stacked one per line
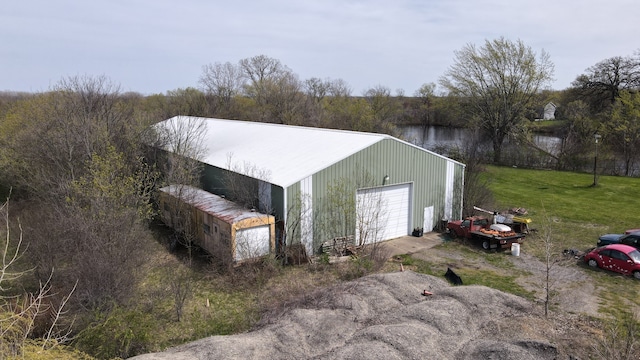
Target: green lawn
<point>547,127</point>
<point>576,211</point>
<point>568,210</point>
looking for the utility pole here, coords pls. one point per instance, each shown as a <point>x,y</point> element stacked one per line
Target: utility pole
<point>595,161</point>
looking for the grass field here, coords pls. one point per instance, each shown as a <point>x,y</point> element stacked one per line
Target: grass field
<point>576,211</point>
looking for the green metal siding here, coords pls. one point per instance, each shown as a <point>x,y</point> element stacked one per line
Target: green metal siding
<point>293,213</point>
<point>277,202</point>
<point>403,163</point>
<point>213,182</point>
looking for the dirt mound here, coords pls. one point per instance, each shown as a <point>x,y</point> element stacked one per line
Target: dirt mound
<point>385,316</point>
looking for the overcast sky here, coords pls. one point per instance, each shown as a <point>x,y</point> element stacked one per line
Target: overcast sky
<point>153,46</point>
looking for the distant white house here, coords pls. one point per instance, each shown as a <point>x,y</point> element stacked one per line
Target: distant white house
<point>549,112</point>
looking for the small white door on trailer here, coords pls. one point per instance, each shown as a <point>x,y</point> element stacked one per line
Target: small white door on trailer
<point>252,242</point>
<point>383,213</point>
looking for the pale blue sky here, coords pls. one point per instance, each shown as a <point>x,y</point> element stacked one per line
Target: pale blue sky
<point>153,46</point>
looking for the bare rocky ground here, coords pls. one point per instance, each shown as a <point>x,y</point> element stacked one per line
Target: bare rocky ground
<point>386,316</point>
<point>573,291</point>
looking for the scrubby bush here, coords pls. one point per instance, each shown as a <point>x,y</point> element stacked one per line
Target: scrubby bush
<point>119,333</point>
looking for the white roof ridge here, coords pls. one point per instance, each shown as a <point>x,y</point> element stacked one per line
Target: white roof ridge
<point>309,128</point>
<point>280,154</point>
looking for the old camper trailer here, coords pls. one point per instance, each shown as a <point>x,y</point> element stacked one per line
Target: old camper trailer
<point>217,225</point>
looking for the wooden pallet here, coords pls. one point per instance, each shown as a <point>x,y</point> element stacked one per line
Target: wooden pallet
<point>338,245</point>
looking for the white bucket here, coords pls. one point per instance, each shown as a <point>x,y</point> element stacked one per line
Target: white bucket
<point>515,249</point>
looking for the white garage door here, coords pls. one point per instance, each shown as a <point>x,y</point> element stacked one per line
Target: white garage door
<point>383,213</point>
<point>252,242</point>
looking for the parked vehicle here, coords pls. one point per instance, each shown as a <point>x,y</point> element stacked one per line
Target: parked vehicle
<point>620,258</point>
<point>484,232</point>
<point>631,239</point>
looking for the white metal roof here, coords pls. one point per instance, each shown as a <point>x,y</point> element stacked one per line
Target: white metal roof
<point>280,154</point>
<point>284,154</point>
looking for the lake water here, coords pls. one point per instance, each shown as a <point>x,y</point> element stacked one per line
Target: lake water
<point>435,138</point>
<point>432,137</point>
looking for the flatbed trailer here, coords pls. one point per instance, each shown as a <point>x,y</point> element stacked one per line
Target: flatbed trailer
<point>479,230</point>
<point>489,241</point>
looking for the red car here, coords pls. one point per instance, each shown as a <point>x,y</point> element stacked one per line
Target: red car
<point>620,258</point>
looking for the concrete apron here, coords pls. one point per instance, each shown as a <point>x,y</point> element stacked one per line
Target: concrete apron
<point>413,244</point>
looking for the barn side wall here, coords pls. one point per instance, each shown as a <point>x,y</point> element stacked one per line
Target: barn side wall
<point>437,182</point>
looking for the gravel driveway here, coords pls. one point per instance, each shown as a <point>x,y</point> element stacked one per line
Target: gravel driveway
<point>572,288</point>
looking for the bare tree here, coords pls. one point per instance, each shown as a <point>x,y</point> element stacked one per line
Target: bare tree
<point>339,208</point>
<point>383,106</point>
<point>574,144</point>
<point>276,90</point>
<point>100,231</point>
<point>181,285</point>
<point>243,182</point>
<point>223,82</point>
<point>339,88</point>
<point>77,159</point>
<point>181,140</point>
<point>426,94</point>
<point>603,82</point>
<point>347,214</point>
<point>285,99</point>
<point>248,185</point>
<point>498,82</point>
<point>299,214</point>
<point>259,71</point>
<point>550,260</point>
<point>371,217</point>
<point>316,89</point>
<point>60,130</point>
<point>19,314</point>
<point>620,339</point>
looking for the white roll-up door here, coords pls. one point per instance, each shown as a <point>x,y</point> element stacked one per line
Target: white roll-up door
<point>383,213</point>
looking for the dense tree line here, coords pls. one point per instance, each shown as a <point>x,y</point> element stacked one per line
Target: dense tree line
<point>73,160</point>
<point>604,101</point>
<point>473,94</point>
<point>76,160</point>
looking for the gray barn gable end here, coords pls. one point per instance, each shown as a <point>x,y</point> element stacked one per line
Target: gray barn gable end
<point>302,168</point>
